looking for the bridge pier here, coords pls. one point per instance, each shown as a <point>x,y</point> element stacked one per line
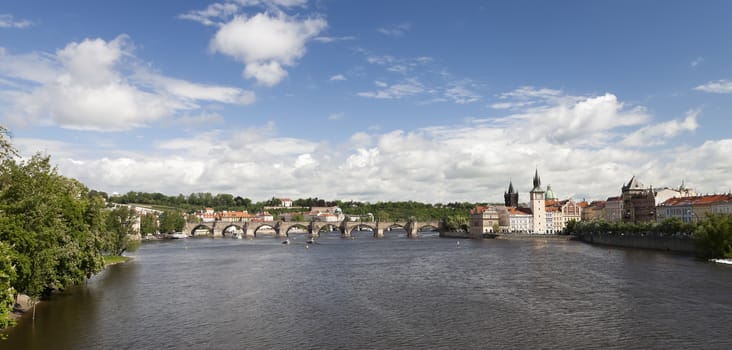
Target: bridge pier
<point>379,232</point>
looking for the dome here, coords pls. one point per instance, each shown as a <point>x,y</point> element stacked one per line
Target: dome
<point>550,193</point>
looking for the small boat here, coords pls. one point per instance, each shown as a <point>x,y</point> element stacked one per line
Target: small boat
<point>310,241</point>
<point>287,241</point>
<point>178,235</point>
<point>236,236</point>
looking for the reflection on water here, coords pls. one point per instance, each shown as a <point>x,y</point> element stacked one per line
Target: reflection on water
<point>389,293</point>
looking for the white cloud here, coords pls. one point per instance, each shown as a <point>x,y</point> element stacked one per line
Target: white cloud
<point>87,85</point>
<point>409,87</point>
<point>718,87</point>
<point>337,77</point>
<point>461,94</point>
<point>266,42</point>
<point>579,120</point>
<point>470,161</point>
<point>653,135</point>
<point>7,21</point>
<point>217,14</point>
<point>331,39</point>
<point>213,14</point>
<point>395,31</point>
<point>530,92</point>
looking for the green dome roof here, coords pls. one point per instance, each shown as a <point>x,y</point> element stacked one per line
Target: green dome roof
<point>550,193</point>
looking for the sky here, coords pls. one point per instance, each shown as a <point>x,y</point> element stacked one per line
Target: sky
<point>431,101</point>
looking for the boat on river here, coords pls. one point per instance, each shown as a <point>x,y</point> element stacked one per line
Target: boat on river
<point>178,235</point>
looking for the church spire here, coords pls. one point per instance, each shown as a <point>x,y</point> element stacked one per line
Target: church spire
<point>537,181</point>
<point>511,197</point>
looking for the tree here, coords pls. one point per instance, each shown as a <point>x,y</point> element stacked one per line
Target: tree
<point>6,148</point>
<point>120,224</point>
<point>48,220</point>
<point>171,221</point>
<point>7,278</point>
<point>714,236</point>
<point>148,223</point>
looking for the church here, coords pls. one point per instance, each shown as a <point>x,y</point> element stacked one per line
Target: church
<point>545,214</point>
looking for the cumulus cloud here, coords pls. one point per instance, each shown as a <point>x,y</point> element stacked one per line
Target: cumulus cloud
<point>717,87</point>
<point>266,43</point>
<point>658,134</point>
<point>469,161</point>
<point>7,21</point>
<point>98,85</point>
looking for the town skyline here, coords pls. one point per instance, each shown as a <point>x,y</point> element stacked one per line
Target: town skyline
<point>377,101</point>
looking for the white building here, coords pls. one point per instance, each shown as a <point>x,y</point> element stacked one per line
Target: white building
<point>538,207</point>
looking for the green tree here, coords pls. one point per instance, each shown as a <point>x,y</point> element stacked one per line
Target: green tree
<point>6,148</point>
<point>7,278</point>
<point>120,224</point>
<point>46,219</point>
<point>713,236</point>
<point>171,221</point>
<point>148,223</point>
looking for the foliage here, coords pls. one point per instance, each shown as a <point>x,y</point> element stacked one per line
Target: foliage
<point>120,224</point>
<point>713,236</point>
<point>171,221</point>
<point>456,222</point>
<point>6,148</point>
<point>7,277</point>
<point>51,224</point>
<point>148,223</point>
<point>668,227</point>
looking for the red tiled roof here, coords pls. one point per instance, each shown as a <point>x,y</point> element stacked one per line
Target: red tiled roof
<point>696,200</point>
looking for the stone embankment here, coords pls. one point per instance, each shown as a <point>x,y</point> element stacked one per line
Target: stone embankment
<point>533,237</point>
<point>678,243</point>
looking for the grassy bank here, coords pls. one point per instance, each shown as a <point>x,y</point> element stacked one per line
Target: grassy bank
<point>114,259</point>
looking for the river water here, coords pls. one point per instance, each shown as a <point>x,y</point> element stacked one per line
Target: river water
<point>391,293</point>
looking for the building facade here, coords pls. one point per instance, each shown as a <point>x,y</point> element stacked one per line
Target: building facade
<point>639,203</point>
<point>538,208</point>
<point>483,219</point>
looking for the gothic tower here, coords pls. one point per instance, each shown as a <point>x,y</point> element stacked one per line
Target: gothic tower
<point>538,208</point>
<point>510,198</point>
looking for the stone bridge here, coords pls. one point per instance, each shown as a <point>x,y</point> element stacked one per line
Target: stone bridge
<point>312,228</point>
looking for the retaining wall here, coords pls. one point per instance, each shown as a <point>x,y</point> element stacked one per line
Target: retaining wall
<point>681,244</point>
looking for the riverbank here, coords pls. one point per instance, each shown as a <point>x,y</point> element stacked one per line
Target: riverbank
<point>677,244</point>
<point>530,237</point>
<point>24,304</point>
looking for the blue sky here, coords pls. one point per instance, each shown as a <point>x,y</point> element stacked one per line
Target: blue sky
<point>432,101</point>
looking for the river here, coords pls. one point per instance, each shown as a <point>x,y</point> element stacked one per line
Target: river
<point>391,293</point>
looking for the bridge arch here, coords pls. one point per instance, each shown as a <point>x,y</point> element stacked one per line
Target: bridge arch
<point>359,226</point>
<point>433,227</point>
<point>201,227</point>
<point>264,226</point>
<point>287,229</point>
<point>227,230</point>
<point>325,227</point>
